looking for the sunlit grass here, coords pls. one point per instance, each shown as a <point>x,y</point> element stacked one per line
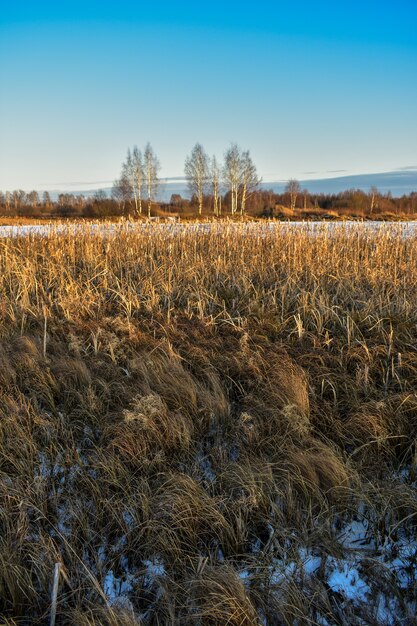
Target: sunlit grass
<point>185,413</point>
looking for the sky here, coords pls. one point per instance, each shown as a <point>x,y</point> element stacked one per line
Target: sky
<point>312,89</point>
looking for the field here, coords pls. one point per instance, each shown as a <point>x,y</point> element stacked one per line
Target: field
<point>209,427</point>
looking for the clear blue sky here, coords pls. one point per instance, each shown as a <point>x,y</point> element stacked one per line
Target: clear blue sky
<point>313,89</point>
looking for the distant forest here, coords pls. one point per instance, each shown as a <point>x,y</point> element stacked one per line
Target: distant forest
<point>231,188</point>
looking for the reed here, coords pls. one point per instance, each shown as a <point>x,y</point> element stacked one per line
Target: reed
<point>191,416</point>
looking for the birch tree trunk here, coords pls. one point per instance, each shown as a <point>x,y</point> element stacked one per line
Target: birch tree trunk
<point>196,169</point>
<point>151,167</point>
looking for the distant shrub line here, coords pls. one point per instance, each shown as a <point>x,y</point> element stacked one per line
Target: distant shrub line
<point>261,204</point>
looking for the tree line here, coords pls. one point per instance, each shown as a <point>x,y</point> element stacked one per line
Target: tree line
<point>231,187</point>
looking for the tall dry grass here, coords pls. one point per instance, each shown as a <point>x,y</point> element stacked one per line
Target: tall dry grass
<point>185,411</point>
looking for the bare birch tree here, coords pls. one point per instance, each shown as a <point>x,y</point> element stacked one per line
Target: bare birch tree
<point>374,199</point>
<point>215,185</point>
<point>46,200</point>
<point>33,198</point>
<point>249,179</point>
<point>196,169</point>
<point>7,199</point>
<point>293,188</point>
<point>18,198</point>
<point>151,168</point>
<point>305,195</point>
<point>122,191</point>
<point>132,171</point>
<point>137,164</point>
<point>232,173</point>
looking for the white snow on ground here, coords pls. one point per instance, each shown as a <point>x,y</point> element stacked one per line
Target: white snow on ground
<point>206,468</point>
<point>364,574</point>
<point>366,570</point>
<point>347,580</point>
<point>310,562</point>
<point>122,584</point>
<point>355,535</point>
<point>154,568</point>
<point>347,575</point>
<point>117,586</point>
<point>404,229</point>
<point>364,559</point>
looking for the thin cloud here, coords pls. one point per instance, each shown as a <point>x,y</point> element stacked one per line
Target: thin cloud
<point>79,183</point>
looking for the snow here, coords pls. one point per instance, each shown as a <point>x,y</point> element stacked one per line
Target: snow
<point>244,574</point>
<point>404,229</point>
<point>363,573</point>
<point>128,519</point>
<point>206,468</point>
<point>356,535</point>
<point>361,569</point>
<point>154,568</point>
<point>117,586</point>
<point>347,580</point>
<point>310,562</point>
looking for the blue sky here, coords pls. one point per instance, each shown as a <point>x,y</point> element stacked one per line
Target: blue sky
<point>313,89</point>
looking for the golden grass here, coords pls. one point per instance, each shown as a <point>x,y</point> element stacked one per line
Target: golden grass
<point>179,406</point>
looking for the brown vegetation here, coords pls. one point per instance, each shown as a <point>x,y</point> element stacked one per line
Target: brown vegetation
<point>259,204</point>
<point>189,419</point>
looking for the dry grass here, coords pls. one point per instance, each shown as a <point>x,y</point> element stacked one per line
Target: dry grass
<point>186,414</point>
